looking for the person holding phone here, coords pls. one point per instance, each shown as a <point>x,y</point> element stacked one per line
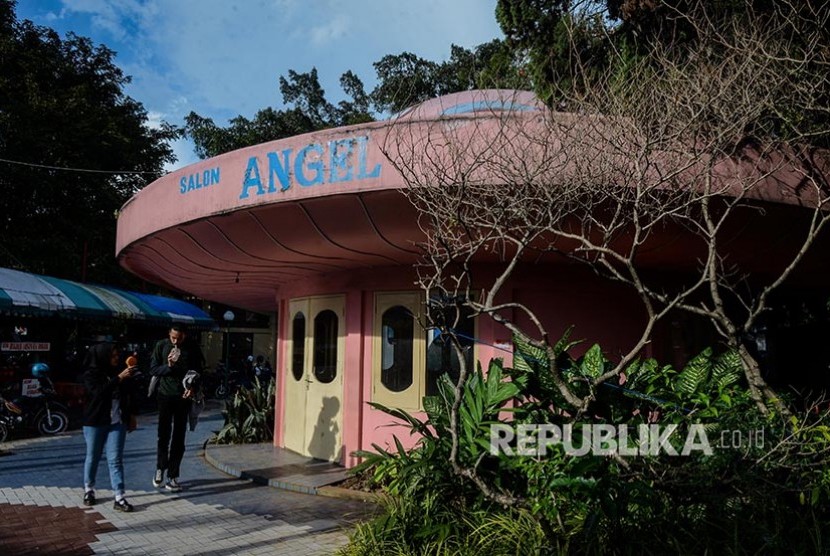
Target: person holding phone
<point>172,358</point>
<point>108,417</point>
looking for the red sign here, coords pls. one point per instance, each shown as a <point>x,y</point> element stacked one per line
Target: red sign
<point>24,346</point>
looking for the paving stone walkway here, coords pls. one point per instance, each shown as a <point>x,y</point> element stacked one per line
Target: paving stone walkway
<point>41,510</point>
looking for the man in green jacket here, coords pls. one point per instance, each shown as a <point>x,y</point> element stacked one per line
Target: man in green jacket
<point>172,358</point>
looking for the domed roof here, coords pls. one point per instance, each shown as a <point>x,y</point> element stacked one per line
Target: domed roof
<point>475,101</point>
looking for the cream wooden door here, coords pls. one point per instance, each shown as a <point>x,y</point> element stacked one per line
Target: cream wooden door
<point>324,378</point>
<point>398,351</point>
<point>314,379</point>
<point>298,358</point>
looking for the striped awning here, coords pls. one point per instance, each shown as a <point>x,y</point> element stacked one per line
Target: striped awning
<point>25,294</point>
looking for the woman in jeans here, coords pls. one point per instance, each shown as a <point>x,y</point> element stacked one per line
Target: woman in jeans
<point>108,417</point>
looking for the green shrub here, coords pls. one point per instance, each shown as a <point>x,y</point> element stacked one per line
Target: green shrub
<point>767,497</point>
<point>476,532</point>
<point>249,415</point>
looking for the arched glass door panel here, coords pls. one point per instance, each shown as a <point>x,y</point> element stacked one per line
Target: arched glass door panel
<point>325,346</point>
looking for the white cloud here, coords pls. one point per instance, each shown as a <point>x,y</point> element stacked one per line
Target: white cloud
<point>117,17</point>
<point>179,105</point>
<point>221,58</point>
<point>183,149</point>
<point>331,31</point>
<point>101,13</point>
<point>154,120</point>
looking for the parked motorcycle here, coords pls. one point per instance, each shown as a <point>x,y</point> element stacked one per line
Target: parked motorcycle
<point>229,382</point>
<point>11,418</point>
<point>40,412</point>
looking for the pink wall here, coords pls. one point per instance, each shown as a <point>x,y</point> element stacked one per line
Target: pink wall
<point>237,227</point>
<point>355,377</point>
<point>359,288</point>
<point>253,228</point>
<point>280,372</point>
<point>563,295</point>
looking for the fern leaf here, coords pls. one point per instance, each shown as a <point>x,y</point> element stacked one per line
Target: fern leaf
<point>727,369</point>
<point>695,373</point>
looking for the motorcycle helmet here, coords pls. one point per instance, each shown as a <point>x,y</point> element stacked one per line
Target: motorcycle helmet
<point>40,370</point>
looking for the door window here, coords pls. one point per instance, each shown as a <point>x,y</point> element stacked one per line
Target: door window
<point>397,337</point>
<point>298,345</point>
<point>325,346</point>
<point>398,350</point>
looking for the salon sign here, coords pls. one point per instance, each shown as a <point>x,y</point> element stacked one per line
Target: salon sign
<point>335,161</point>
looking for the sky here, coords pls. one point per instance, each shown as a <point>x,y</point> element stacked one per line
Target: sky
<point>223,58</point>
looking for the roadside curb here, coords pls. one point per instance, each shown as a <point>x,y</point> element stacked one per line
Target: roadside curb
<point>327,490</point>
<point>347,494</point>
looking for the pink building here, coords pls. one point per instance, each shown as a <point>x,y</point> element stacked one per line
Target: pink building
<point>315,229</point>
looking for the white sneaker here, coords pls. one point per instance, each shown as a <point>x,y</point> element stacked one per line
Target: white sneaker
<point>173,485</point>
<point>158,478</point>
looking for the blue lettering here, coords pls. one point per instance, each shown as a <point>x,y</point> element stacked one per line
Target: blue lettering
<point>362,143</point>
<point>252,179</point>
<point>312,165</point>
<point>340,160</point>
<point>191,182</point>
<point>316,166</point>
<point>280,169</point>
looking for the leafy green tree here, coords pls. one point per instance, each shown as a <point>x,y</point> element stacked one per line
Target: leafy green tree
<point>652,150</point>
<point>554,38</point>
<point>309,111</point>
<point>454,493</point>
<point>569,45</point>
<point>666,21</point>
<point>357,110</point>
<point>406,79</point>
<point>62,105</point>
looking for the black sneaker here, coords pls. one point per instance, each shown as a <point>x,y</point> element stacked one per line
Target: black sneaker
<point>122,505</point>
<point>89,498</point>
<point>173,484</point>
<point>158,478</point>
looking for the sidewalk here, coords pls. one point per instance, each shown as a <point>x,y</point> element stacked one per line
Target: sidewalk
<point>266,464</point>
<point>41,511</point>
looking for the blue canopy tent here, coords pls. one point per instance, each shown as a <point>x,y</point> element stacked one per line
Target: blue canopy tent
<point>24,294</point>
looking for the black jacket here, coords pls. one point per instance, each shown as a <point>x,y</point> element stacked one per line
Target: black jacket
<point>102,385</point>
<point>170,377</point>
